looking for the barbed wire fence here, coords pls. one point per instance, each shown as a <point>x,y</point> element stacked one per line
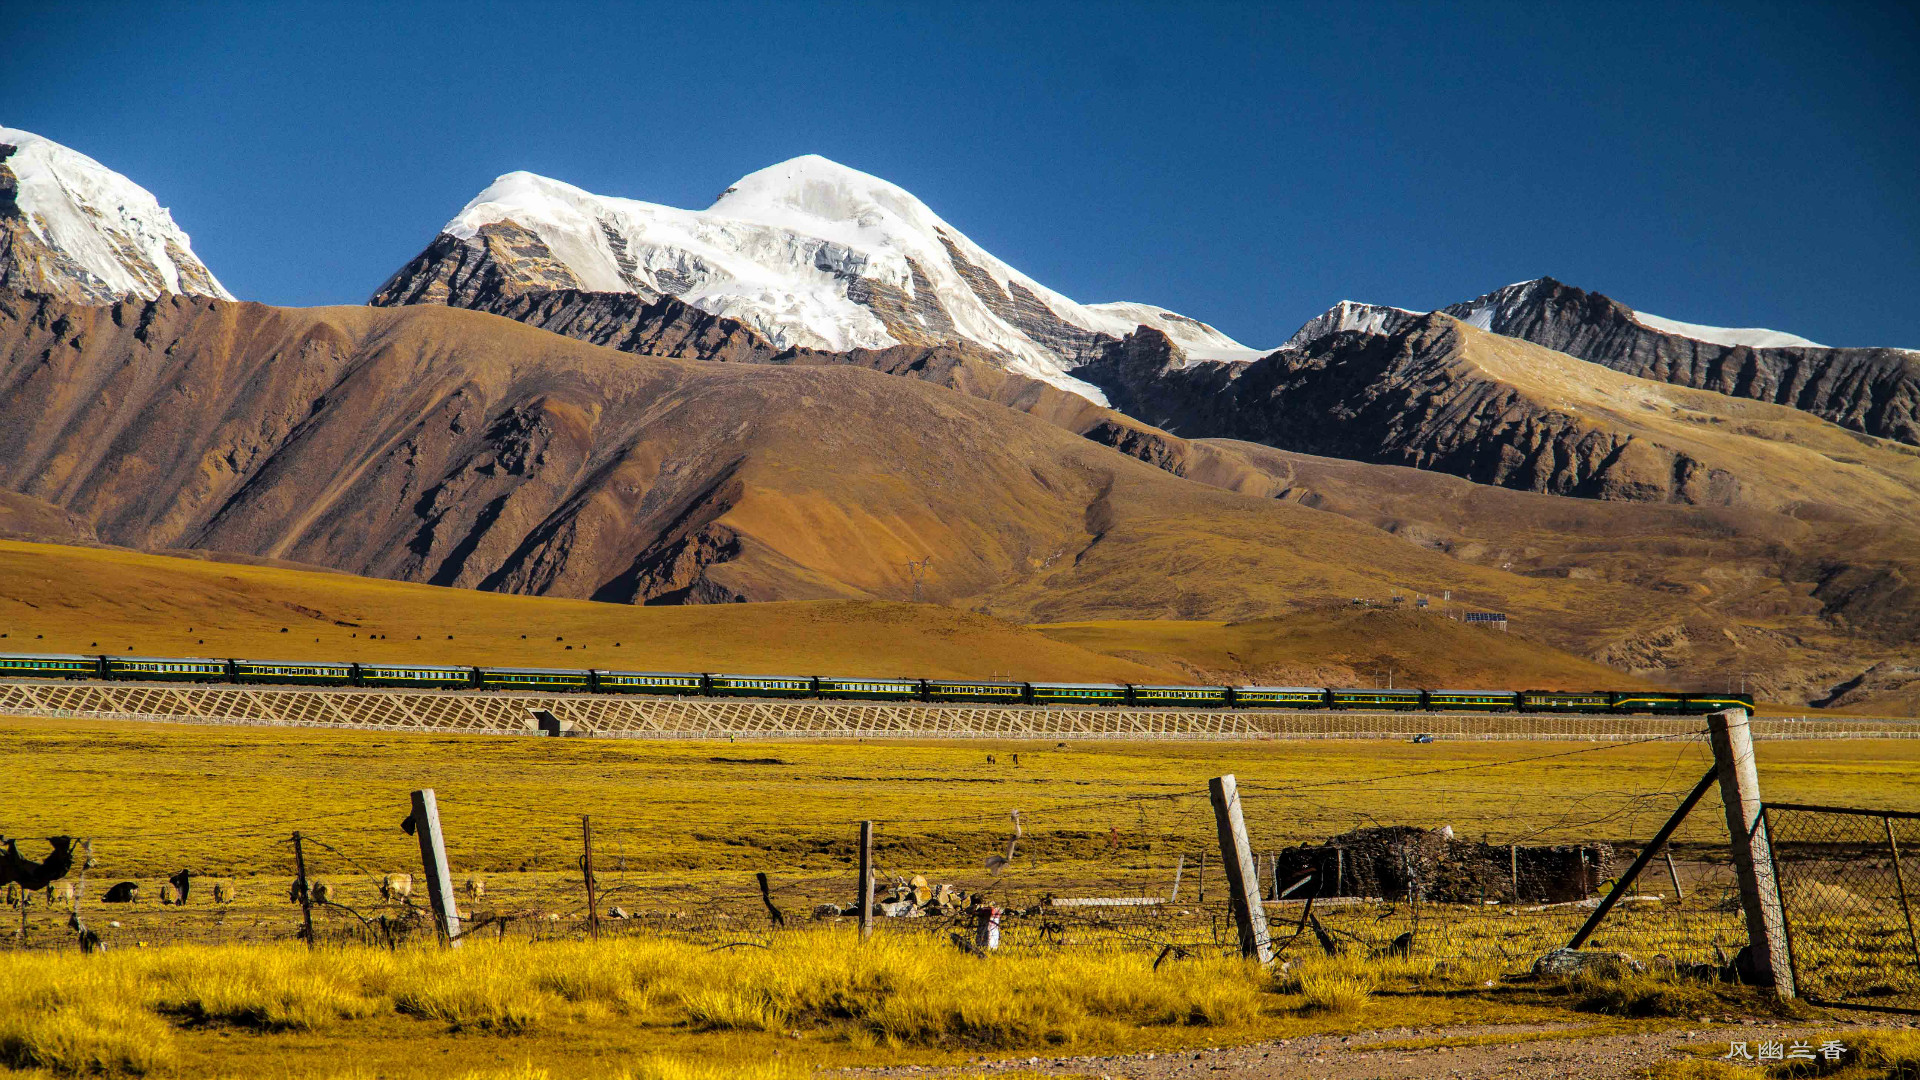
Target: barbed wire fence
<point>1334,873</point>
<point>1136,871</point>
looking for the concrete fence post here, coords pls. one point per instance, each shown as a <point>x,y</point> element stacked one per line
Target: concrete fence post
<point>1243,876</point>
<point>433,859</point>
<point>1731,733</point>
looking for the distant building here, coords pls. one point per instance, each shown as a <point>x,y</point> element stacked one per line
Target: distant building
<point>1497,619</point>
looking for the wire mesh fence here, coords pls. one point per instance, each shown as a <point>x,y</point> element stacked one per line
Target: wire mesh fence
<point>1849,883</point>
<point>1138,872</point>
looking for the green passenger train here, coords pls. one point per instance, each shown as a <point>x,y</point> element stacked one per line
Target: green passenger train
<point>850,688</point>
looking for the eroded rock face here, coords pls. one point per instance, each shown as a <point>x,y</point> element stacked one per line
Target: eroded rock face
<point>1872,390</point>
<point>1409,398</point>
<point>443,446</point>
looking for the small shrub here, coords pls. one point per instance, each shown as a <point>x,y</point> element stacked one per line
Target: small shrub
<point>731,1009</point>
<point>1334,995</point>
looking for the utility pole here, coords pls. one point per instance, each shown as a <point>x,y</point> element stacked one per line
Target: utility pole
<point>917,570</point>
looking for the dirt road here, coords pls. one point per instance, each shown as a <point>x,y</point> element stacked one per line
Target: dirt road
<point>1523,1052</point>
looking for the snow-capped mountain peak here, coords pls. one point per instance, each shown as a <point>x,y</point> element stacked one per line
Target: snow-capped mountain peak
<point>75,228</point>
<point>807,252</point>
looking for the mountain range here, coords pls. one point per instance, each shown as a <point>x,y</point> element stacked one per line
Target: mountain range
<point>789,394</point>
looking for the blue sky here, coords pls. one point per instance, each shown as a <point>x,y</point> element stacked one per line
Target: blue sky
<point>1249,165</point>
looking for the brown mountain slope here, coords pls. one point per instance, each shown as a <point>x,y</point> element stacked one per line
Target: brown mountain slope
<point>1797,605</point>
<point>1342,646</point>
<point>451,447</point>
<point>57,598</point>
<point>1441,395</point>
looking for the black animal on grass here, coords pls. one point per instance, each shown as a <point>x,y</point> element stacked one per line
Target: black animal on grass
<point>16,869</point>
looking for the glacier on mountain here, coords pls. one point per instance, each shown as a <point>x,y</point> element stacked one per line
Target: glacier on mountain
<point>812,253</point>
<point>77,228</point>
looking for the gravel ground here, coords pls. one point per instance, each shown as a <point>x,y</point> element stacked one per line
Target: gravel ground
<point>1360,1057</point>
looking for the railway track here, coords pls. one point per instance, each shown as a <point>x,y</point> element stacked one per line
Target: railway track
<point>621,716</point>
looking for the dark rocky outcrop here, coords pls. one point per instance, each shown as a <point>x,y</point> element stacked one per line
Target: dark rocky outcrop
<point>1404,399</point>
<point>1874,390</point>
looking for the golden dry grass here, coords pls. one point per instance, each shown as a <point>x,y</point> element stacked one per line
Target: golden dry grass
<point>1345,646</point>
<point>224,798</point>
<point>57,598</point>
<point>674,1011</point>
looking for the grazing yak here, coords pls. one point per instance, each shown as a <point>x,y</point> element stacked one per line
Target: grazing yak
<point>30,875</point>
<point>126,892</point>
<point>476,888</point>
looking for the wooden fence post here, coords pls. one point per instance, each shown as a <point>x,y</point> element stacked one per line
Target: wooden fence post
<point>865,899</point>
<point>1243,878</point>
<point>1200,877</point>
<point>1513,869</point>
<point>433,859</point>
<point>305,889</point>
<point>1673,874</point>
<point>1732,736</point>
<point>586,870</point>
<point>1180,863</point>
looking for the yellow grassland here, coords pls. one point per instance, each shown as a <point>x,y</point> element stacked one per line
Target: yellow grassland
<point>682,826</point>
<point>223,799</point>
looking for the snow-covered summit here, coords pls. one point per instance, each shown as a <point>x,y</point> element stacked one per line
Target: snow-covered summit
<point>1751,336</point>
<point>75,228</point>
<point>809,252</point>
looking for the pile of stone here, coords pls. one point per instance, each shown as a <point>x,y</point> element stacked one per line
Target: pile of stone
<point>912,898</point>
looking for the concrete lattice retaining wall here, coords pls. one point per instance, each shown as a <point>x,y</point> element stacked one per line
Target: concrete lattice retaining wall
<point>673,718</point>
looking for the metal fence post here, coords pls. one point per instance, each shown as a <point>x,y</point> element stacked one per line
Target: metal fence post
<point>1900,879</point>
<point>1731,733</point>
<point>1243,878</point>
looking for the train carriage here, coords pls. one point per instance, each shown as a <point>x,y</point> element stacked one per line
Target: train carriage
<point>1566,701</point>
<point>649,682</point>
<point>1473,700</point>
<point>425,676</point>
<point>1078,693</point>
<point>1643,701</point>
<point>1706,703</point>
<point>781,686</point>
<point>1376,699</point>
<point>167,669</point>
<point>50,666</point>
<point>870,689</point>
<point>551,680</point>
<point>1280,697</point>
<point>985,693</point>
<point>1180,697</point>
<point>293,672</point>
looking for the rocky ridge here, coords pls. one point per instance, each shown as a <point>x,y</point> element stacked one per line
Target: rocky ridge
<point>1873,390</point>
